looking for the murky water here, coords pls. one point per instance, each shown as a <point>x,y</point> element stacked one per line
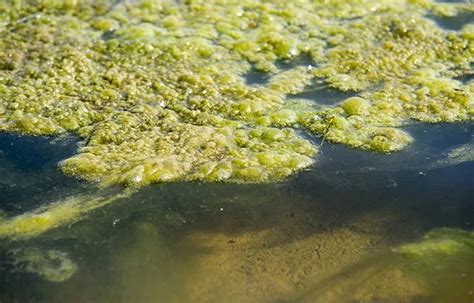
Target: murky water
<point>325,235</point>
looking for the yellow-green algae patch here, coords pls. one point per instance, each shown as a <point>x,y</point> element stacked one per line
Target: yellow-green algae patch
<point>62,212</point>
<point>440,242</point>
<point>155,89</point>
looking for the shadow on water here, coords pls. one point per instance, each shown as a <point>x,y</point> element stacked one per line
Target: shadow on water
<point>257,242</point>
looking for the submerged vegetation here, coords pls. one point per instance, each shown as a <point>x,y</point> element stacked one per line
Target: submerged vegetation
<point>435,269</point>
<point>442,241</point>
<point>52,265</point>
<point>156,89</point>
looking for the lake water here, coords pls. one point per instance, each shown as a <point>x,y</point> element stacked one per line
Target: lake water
<point>325,235</point>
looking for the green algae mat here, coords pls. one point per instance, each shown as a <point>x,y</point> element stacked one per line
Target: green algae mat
<point>201,92</point>
<point>156,89</point>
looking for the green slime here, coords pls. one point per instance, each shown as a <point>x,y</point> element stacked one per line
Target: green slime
<point>156,89</point>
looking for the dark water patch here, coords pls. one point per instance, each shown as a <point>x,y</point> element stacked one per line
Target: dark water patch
<point>169,213</point>
<point>109,35</point>
<point>441,136</point>
<point>431,143</point>
<point>322,94</point>
<point>31,154</point>
<point>466,78</point>
<point>29,175</point>
<point>454,23</point>
<point>428,197</point>
<point>256,77</point>
<point>354,182</point>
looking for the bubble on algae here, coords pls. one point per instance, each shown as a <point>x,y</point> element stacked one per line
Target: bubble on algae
<point>51,265</point>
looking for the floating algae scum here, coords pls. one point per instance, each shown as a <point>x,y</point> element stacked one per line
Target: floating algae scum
<point>239,92</point>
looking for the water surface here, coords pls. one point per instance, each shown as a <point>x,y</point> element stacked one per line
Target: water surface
<point>311,238</point>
